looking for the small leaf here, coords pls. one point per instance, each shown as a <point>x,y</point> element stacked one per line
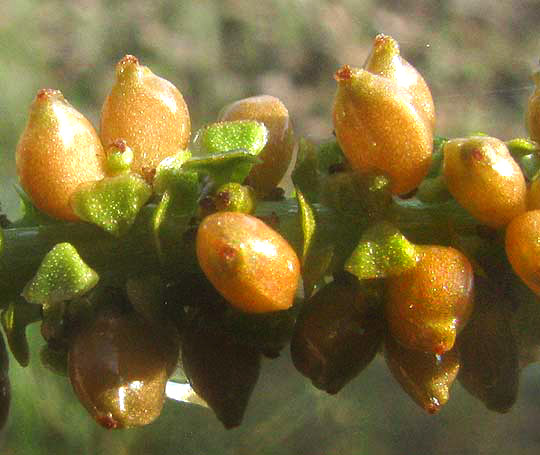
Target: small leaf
<point>306,174</point>
<point>169,170</point>
<point>112,203</point>
<point>235,197</point>
<point>520,147</point>
<point>181,192</point>
<point>30,215</point>
<point>14,320</point>
<point>382,251</point>
<point>61,276</point>
<point>218,138</point>
<point>308,222</point>
<point>232,166</point>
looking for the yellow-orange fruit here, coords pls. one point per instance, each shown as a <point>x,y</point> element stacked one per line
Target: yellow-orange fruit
<point>533,111</point>
<point>148,112</point>
<point>533,194</point>
<point>523,248</point>
<point>277,153</point>
<point>428,304</point>
<point>385,60</point>
<point>485,179</point>
<point>249,263</point>
<point>380,129</point>
<point>57,151</point>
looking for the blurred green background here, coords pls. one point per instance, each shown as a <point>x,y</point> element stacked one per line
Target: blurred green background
<point>477,56</point>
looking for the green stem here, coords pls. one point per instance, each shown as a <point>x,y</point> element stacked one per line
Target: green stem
<point>114,259</point>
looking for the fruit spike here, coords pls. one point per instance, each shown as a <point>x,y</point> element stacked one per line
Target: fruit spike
<point>58,150</point>
<point>148,112</point>
<point>380,130</point>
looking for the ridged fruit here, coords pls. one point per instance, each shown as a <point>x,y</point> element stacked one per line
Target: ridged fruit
<point>277,153</point>
<point>485,179</point>
<point>249,263</point>
<point>58,150</point>
<point>380,129</point>
<point>148,112</point>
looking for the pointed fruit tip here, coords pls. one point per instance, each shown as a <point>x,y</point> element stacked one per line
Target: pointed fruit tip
<point>46,94</point>
<point>343,74</point>
<point>128,64</point>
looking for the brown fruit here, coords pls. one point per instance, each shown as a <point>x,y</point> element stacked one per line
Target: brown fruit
<point>425,376</point>
<point>118,367</point>
<point>221,370</point>
<point>148,112</point>
<point>335,337</point>
<point>58,150</point>
<point>277,153</point>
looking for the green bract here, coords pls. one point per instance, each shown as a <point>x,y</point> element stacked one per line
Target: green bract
<point>112,203</point>
<point>308,222</point>
<point>382,251</point>
<point>61,276</point>
<point>226,136</point>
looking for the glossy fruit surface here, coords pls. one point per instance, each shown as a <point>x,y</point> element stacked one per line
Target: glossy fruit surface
<point>277,154</point>
<point>380,130</point>
<point>489,350</point>
<point>58,150</point>
<point>221,370</point>
<point>428,304</point>
<point>118,367</point>
<point>336,336</point>
<point>522,244</point>
<point>148,112</point>
<point>485,179</point>
<point>533,111</point>
<point>385,60</point>
<point>249,263</point>
<point>425,376</point>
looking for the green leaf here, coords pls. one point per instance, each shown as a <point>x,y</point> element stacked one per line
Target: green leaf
<point>381,252</point>
<point>305,175</point>
<point>61,276</point>
<point>169,171</point>
<point>218,138</point>
<point>520,147</point>
<point>112,203</point>
<point>181,191</point>
<point>14,320</point>
<point>437,156</point>
<point>30,214</point>
<point>307,218</point>
<point>232,166</point>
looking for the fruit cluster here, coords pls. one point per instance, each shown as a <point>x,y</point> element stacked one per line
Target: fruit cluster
<point>160,248</point>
